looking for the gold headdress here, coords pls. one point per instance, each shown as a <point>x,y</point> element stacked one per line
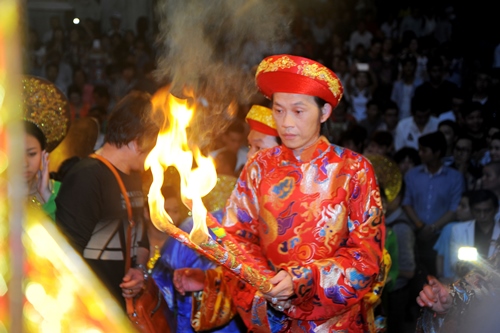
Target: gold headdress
<point>388,175</point>
<point>47,108</point>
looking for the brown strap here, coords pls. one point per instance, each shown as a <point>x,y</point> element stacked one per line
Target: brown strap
<point>128,245</point>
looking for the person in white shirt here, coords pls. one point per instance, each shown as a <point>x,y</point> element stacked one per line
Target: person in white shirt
<point>360,36</point>
<point>420,123</point>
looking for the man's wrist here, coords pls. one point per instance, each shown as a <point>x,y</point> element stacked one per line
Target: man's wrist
<point>144,270</point>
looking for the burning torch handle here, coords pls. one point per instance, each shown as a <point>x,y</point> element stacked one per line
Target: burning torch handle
<point>221,256</point>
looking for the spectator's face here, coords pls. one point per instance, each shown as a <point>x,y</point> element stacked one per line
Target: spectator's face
<point>484,212</point>
<point>173,209</point>
<point>491,131</point>
<point>462,151</point>
<point>405,165</point>
<point>372,112</point>
<point>436,73</point>
<point>375,148</point>
<point>421,117</point>
<point>474,121</point>
<point>490,180</point>
<point>463,210</point>
<point>409,68</point>
<point>449,135</point>
<point>52,73</point>
<point>258,141</point>
<point>482,82</point>
<point>298,119</point>
<point>362,80</point>
<point>495,150</point>
<point>427,155</point>
<point>233,141</point>
<point>75,98</point>
<point>391,118</point>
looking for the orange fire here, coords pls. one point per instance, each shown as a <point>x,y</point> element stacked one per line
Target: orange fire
<point>173,149</point>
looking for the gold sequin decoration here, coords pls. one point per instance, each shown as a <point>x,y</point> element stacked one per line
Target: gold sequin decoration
<point>261,114</point>
<point>45,106</point>
<point>268,65</point>
<point>388,175</point>
<point>321,73</point>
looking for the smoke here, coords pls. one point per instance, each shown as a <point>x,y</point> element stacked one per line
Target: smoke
<point>212,47</point>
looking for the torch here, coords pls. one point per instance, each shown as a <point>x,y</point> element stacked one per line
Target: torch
<point>172,149</point>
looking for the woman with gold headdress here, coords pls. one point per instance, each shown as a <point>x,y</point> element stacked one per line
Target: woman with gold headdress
<point>45,125</point>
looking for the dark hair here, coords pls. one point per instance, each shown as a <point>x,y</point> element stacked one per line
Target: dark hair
<point>131,120</point>
<point>74,89</point>
<point>169,191</point>
<point>454,126</point>
<point>383,138</point>
<point>33,130</point>
<point>482,195</point>
<point>235,127</point>
<point>420,103</point>
<point>101,91</point>
<point>324,128</point>
<point>470,107</point>
<point>435,61</point>
<point>435,141</point>
<point>390,105</point>
<point>495,136</point>
<point>357,134</point>
<point>405,152</point>
<point>64,168</point>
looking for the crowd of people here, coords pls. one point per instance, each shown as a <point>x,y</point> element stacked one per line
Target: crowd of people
<point>393,85</point>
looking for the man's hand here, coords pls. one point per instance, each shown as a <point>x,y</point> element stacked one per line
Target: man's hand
<point>133,282</point>
<point>280,294</point>
<point>189,279</point>
<point>435,295</point>
<point>426,233</point>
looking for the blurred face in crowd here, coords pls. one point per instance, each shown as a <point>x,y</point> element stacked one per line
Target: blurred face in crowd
<point>391,118</point>
<point>490,180</point>
<point>233,141</point>
<point>484,212</point>
<point>463,210</point>
<point>474,121</point>
<point>32,157</point>
<point>258,140</point>
<point>495,150</point>
<point>406,164</point>
<point>372,112</point>
<point>421,117</point>
<point>449,134</point>
<point>427,155</point>
<point>298,119</point>
<point>173,209</point>
<point>409,68</point>
<point>462,151</point>
<point>491,132</point>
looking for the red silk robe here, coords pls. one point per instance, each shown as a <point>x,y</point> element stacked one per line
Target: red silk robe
<point>318,216</point>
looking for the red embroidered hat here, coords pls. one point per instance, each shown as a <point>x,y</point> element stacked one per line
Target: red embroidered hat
<point>261,120</point>
<point>298,75</point>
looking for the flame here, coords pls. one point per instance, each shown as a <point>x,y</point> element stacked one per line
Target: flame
<point>173,149</point>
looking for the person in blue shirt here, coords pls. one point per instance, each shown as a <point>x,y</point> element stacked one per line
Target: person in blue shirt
<point>433,193</point>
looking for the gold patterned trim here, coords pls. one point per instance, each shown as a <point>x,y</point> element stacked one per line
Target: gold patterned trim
<point>321,73</point>
<point>268,65</point>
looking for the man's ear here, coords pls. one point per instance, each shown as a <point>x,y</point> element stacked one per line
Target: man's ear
<point>326,111</point>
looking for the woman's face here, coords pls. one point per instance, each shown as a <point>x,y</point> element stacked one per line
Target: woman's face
<point>495,150</point>
<point>32,158</point>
